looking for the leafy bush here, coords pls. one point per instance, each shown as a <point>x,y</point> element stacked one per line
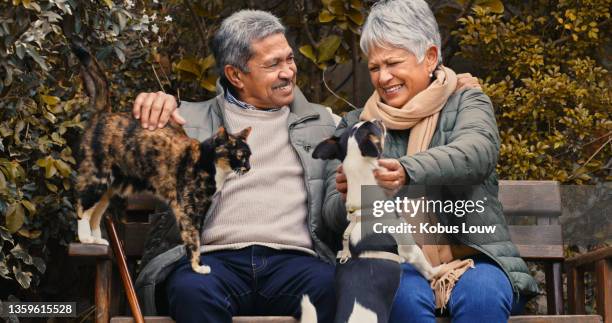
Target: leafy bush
<point>542,63</point>
<point>552,96</point>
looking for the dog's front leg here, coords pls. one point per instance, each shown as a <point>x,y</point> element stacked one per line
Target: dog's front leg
<point>413,255</point>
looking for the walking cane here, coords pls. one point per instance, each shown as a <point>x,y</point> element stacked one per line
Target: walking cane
<point>128,285</point>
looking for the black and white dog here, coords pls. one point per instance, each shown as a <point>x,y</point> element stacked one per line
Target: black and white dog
<point>369,272</point>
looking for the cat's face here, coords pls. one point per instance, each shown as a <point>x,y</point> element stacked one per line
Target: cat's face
<point>232,151</point>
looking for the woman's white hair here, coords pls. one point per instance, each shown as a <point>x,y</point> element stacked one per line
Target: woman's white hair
<point>406,24</point>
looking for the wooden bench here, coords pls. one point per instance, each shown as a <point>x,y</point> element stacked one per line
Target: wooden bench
<point>532,209</point>
<point>600,262</point>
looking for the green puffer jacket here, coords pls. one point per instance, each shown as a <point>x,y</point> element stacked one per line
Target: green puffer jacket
<point>460,162</point>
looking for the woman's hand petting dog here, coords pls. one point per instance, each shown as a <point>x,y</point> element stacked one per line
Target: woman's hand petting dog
<point>155,110</point>
<point>390,175</point>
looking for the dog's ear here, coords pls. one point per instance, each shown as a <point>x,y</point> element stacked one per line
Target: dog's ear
<point>369,148</point>
<point>327,149</point>
<point>369,139</point>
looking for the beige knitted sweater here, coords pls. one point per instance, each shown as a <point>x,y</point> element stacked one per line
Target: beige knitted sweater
<point>267,205</point>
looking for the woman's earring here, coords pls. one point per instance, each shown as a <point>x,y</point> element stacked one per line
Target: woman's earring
<point>430,74</point>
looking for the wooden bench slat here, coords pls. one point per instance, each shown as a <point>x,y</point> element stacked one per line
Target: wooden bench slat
<point>530,198</point>
<point>589,257</point>
<point>538,242</point>
<point>141,202</point>
<point>239,319</point>
<point>282,319</point>
<point>76,249</point>
<point>134,236</point>
<point>546,319</point>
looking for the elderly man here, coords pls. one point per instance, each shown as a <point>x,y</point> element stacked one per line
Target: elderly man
<point>263,235</point>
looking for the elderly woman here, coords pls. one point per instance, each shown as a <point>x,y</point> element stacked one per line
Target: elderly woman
<point>444,138</point>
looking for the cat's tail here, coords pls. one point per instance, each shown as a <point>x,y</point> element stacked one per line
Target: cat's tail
<point>309,312</point>
<point>93,78</point>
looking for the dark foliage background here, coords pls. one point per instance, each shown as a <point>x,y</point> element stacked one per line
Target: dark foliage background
<point>545,64</point>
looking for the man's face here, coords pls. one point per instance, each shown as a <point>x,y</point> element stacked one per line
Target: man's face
<point>272,73</point>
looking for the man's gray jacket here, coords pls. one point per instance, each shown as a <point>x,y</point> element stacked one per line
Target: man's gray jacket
<point>308,125</point>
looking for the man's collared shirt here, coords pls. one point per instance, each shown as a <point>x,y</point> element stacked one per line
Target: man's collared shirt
<point>231,99</point>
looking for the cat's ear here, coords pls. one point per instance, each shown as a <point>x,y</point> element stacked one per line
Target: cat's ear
<point>222,133</point>
<point>327,149</point>
<point>244,134</point>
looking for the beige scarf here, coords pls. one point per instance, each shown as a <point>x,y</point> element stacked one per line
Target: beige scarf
<point>420,115</point>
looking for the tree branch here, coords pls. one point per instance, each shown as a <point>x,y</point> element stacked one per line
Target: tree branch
<point>450,51</point>
<point>299,5</point>
<point>197,21</point>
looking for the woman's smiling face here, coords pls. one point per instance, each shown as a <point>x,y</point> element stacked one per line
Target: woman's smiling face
<point>396,74</point>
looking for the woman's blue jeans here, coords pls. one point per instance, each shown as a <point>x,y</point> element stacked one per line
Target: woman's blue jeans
<point>482,294</point>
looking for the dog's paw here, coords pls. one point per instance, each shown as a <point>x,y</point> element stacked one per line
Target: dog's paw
<point>96,233</point>
<point>204,270</point>
<point>433,272</point>
<point>87,239</point>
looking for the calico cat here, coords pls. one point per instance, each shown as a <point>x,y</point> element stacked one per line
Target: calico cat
<point>118,157</point>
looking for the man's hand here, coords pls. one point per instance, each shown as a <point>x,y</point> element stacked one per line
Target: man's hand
<point>155,109</point>
<point>390,175</point>
<point>341,184</point>
<point>467,81</point>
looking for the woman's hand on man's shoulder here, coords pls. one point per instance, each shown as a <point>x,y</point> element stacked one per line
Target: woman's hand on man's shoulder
<point>467,81</point>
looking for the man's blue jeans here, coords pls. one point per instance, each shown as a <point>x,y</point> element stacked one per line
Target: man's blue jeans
<point>482,294</point>
<point>251,281</point>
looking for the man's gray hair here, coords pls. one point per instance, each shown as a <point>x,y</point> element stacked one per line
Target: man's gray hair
<point>231,44</point>
<point>406,24</point>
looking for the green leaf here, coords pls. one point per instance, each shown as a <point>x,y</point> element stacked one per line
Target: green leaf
<point>18,128</point>
<point>356,16</point>
<point>5,131</point>
<point>2,181</point>
<point>50,100</point>
<point>20,253</point>
<point>356,4</point>
<point>23,277</point>
<point>33,234</point>
<point>120,54</point>
<point>327,48</point>
<point>51,187</point>
<point>307,51</point>
<point>37,58</point>
<point>63,168</point>
<point>207,62</point>
<point>189,65</point>
<point>48,163</point>
<point>14,217</point>
<point>29,205</point>
<point>66,155</point>
<point>4,271</point>
<point>496,6</point>
<point>326,16</point>
<point>39,263</point>
<point>336,7</point>
<point>49,116</point>
<point>209,83</point>
<point>5,235</point>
